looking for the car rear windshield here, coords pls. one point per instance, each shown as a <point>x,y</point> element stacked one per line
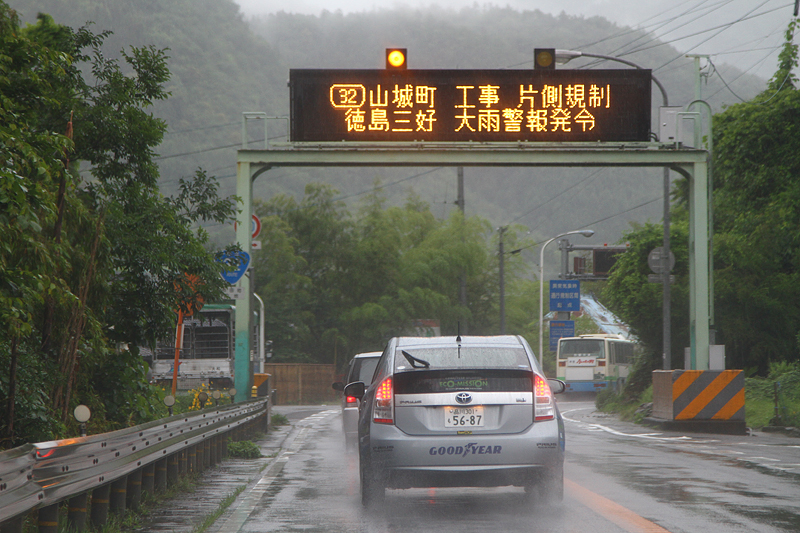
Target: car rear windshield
<point>486,380</point>
<point>452,357</point>
<point>363,369</point>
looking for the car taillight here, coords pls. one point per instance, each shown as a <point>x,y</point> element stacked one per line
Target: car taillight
<point>352,399</point>
<point>543,401</point>
<point>383,413</point>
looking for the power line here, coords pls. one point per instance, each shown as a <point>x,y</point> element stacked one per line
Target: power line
<point>553,198</point>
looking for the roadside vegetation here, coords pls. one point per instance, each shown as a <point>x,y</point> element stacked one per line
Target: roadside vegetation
<point>769,401</point>
<point>756,252</point>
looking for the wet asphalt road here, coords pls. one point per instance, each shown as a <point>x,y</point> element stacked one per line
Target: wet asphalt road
<point>619,478</point>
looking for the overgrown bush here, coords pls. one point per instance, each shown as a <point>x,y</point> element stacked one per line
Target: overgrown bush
<point>279,420</point>
<point>774,400</point>
<point>243,449</point>
<point>624,403</point>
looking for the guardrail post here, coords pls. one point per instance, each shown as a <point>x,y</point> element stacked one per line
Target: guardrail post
<point>182,467</point>
<point>199,450</point>
<point>172,469</point>
<point>192,460</point>
<point>76,515</point>
<point>214,458</point>
<point>148,479</point>
<point>48,519</point>
<point>101,497</point>
<point>134,495</point>
<point>206,453</point>
<point>13,525</point>
<point>119,492</point>
<point>224,444</point>
<point>161,475</point>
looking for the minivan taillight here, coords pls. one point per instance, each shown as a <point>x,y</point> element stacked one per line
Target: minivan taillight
<point>544,407</point>
<point>383,412</point>
<point>352,400</point>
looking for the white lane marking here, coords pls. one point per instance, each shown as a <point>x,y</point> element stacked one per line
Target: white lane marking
<point>243,511</point>
<point>652,436</point>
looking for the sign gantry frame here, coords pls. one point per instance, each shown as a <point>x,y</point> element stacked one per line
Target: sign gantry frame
<point>689,162</point>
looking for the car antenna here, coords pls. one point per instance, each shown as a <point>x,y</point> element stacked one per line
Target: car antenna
<point>458,339</point>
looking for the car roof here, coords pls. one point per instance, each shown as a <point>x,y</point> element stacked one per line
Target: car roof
<point>466,340</point>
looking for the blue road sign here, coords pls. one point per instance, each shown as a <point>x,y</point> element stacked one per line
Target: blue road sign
<point>239,260</point>
<point>558,329</point>
<point>565,295</point>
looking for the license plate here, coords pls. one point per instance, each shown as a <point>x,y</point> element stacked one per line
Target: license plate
<point>463,417</point>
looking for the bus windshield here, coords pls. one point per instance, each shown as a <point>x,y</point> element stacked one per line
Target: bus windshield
<point>581,347</point>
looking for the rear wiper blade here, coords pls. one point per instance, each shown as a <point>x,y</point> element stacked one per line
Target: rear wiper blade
<point>413,360</point>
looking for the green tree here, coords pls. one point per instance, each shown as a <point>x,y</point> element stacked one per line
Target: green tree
<point>94,260</point>
<point>756,244</point>
<point>339,283</point>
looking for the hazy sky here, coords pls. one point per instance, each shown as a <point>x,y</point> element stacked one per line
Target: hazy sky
<point>745,33</point>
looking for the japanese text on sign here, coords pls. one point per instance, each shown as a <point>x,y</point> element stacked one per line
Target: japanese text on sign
<point>460,105</point>
<point>565,295</point>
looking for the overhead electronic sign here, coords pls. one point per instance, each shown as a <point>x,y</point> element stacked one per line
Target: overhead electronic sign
<point>470,105</point>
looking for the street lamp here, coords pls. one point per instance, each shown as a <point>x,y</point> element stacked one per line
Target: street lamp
<point>564,56</point>
<point>585,233</point>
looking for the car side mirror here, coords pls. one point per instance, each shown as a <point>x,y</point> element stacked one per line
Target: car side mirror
<point>338,386</point>
<point>357,389</point>
<point>556,385</point>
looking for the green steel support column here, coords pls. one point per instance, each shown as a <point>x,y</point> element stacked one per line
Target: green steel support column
<point>243,377</point>
<point>698,266</point>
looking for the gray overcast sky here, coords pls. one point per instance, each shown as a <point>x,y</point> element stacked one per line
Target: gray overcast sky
<point>745,33</point>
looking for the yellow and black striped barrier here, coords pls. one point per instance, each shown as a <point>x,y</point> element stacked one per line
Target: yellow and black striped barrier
<point>711,400</point>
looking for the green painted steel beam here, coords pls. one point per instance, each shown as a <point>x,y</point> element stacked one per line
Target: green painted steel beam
<point>498,155</point>
<point>690,162</point>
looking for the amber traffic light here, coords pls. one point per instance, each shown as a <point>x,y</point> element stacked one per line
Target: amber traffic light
<point>544,58</point>
<point>396,59</point>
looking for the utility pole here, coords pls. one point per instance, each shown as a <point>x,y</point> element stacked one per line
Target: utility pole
<point>460,202</point>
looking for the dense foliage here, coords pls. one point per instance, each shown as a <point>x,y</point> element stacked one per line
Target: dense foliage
<point>756,202</point>
<point>338,283</point>
<point>91,261</point>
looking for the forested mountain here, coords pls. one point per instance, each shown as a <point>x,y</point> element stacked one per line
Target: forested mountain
<point>223,64</point>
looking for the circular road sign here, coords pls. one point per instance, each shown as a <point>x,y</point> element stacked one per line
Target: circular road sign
<point>654,260</point>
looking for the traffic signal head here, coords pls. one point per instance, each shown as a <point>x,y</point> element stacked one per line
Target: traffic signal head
<point>396,59</point>
<point>544,58</point>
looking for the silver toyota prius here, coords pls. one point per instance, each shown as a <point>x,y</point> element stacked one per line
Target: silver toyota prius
<point>459,411</point>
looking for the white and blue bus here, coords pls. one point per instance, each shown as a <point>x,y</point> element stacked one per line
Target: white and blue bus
<point>591,363</point>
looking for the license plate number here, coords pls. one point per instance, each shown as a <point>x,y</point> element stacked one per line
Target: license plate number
<point>463,417</point>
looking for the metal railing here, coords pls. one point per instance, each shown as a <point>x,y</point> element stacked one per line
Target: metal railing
<point>147,457</point>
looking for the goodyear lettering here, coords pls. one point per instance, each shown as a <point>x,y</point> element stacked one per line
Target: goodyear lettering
<point>471,448</point>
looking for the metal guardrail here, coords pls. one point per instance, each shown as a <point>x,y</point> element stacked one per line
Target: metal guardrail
<point>35,476</point>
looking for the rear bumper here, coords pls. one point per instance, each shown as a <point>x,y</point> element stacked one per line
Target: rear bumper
<point>499,476</point>
<point>403,461</point>
<point>586,386</point>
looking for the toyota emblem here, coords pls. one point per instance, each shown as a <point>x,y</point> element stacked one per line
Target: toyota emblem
<point>463,397</point>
